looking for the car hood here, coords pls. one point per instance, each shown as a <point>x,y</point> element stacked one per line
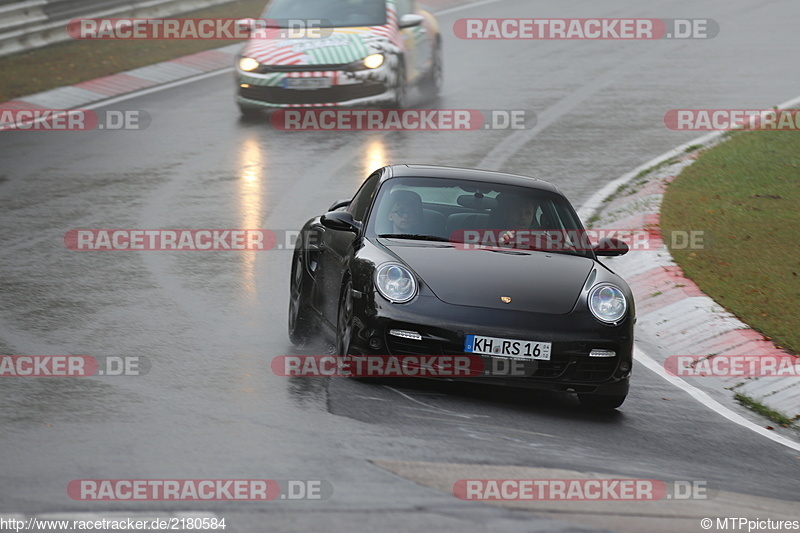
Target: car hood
<point>536,282</point>
<point>343,46</point>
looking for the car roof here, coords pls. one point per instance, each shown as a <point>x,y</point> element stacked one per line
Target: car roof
<point>435,171</point>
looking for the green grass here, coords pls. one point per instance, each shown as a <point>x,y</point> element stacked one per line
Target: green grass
<point>745,195</point>
<point>76,61</point>
<point>759,407</point>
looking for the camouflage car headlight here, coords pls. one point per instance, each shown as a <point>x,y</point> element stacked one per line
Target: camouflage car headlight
<point>373,61</point>
<point>370,62</point>
<point>248,64</point>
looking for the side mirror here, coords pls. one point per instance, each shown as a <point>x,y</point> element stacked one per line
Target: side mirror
<point>250,25</point>
<point>610,247</point>
<point>339,204</point>
<point>410,20</point>
<point>340,221</point>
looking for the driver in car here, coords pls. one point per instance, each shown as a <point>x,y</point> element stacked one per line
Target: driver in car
<point>512,213</point>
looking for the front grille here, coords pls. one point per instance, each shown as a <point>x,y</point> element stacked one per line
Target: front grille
<point>400,346</point>
<point>550,369</point>
<point>338,93</point>
<point>594,370</point>
<point>299,68</point>
<point>568,363</point>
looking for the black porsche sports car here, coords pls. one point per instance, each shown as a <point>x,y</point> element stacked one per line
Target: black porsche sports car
<point>428,260</point>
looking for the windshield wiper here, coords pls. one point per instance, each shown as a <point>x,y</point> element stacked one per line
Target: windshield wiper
<point>414,236</point>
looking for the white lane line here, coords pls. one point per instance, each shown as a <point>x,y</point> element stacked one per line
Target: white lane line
<point>592,206</point>
<point>709,402</point>
<point>158,88</point>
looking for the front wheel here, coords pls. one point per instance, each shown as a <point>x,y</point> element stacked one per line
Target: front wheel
<point>344,321</point>
<point>432,84</point>
<point>400,88</point>
<point>247,112</point>
<point>300,315</point>
<point>601,401</point>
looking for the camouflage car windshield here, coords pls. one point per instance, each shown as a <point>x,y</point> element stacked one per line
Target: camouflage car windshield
<point>330,13</point>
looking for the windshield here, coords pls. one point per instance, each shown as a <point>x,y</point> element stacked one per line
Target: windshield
<point>477,215</point>
<point>328,13</point>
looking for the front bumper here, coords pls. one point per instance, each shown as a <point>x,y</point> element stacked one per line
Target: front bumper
<point>348,89</point>
<point>443,328</point>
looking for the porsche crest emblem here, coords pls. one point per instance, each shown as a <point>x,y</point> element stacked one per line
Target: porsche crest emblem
<point>506,299</point>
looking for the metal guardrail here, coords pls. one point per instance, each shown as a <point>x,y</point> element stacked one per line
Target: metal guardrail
<point>29,24</point>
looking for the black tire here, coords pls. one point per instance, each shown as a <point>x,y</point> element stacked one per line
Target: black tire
<point>431,86</point>
<point>601,401</point>
<point>249,113</point>
<point>344,321</point>
<point>344,334</point>
<point>301,321</point>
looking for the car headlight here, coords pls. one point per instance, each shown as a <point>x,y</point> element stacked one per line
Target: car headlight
<point>370,62</point>
<point>248,64</point>
<point>373,60</point>
<point>607,303</point>
<point>395,282</point>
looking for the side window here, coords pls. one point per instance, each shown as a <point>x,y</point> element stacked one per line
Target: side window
<point>363,198</point>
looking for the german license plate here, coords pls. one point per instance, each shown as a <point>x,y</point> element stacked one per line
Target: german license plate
<point>306,83</point>
<point>515,348</point>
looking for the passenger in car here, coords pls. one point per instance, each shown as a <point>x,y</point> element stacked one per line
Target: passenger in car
<point>406,211</point>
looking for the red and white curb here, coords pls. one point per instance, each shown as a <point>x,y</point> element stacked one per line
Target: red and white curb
<point>674,316</point>
<point>83,94</point>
